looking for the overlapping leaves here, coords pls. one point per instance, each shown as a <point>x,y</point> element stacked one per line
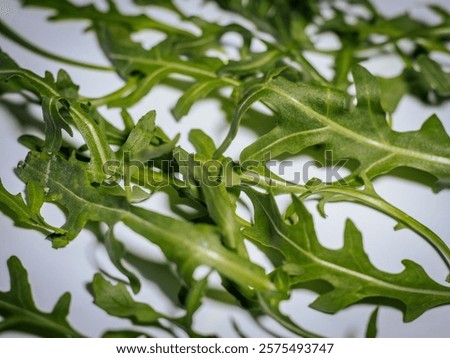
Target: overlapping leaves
<point>308,115</point>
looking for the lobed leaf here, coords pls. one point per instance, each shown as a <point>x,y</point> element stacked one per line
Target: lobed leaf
<point>309,115</point>
<point>348,269</point>
<point>187,244</point>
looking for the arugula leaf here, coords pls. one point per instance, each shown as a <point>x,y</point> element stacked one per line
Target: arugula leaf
<point>187,244</point>
<point>19,311</point>
<point>193,94</point>
<point>392,90</point>
<point>68,185</point>
<point>24,215</point>
<point>269,64</point>
<point>371,331</point>
<point>8,32</point>
<point>434,75</point>
<point>117,301</point>
<point>348,269</point>
<point>125,334</point>
<point>218,201</point>
<point>309,115</point>
<point>191,298</point>
<point>65,10</point>
<point>154,65</point>
<point>116,251</point>
<point>369,197</point>
<point>47,89</point>
<point>140,136</point>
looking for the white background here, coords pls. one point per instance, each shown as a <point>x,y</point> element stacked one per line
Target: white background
<point>53,272</point>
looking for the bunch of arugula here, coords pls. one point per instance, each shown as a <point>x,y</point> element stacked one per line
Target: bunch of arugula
<point>100,182</point>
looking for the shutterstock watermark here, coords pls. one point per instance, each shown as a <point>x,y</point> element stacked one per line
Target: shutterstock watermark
<point>193,171</point>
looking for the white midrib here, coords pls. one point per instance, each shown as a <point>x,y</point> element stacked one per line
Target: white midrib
<point>347,271</point>
<point>83,120</point>
<point>357,137</point>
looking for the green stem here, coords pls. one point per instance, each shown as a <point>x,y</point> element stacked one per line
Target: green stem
<point>9,33</point>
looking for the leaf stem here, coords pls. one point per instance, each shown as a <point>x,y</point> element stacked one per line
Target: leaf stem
<point>41,320</point>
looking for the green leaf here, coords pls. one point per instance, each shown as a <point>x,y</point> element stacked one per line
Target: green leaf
<point>372,330</point>
<point>65,10</point>
<point>194,94</point>
<point>310,115</point>
<point>348,269</point>
<point>143,87</point>
<point>369,197</point>
<point>191,298</point>
<point>202,142</point>
<point>24,215</point>
<point>116,252</point>
<point>19,312</point>
<point>140,136</point>
<point>434,75</point>
<point>187,244</point>
<point>193,245</point>
<point>269,305</point>
<point>13,36</point>
<point>117,301</point>
<point>54,122</point>
<point>125,334</point>
<point>68,185</point>
<point>129,57</point>
<point>47,89</point>
<point>35,197</point>
<point>392,91</point>
<point>258,62</point>
<point>208,173</point>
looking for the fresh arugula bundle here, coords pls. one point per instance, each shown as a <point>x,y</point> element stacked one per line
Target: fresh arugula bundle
<point>100,184</point>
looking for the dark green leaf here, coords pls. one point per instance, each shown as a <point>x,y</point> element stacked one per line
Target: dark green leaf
<point>22,214</point>
<point>194,94</point>
<point>20,313</point>
<point>372,330</point>
<point>191,298</point>
<point>187,244</point>
<point>117,301</point>
<point>315,115</point>
<point>435,76</point>
<point>116,252</point>
<point>125,334</point>
<point>47,89</point>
